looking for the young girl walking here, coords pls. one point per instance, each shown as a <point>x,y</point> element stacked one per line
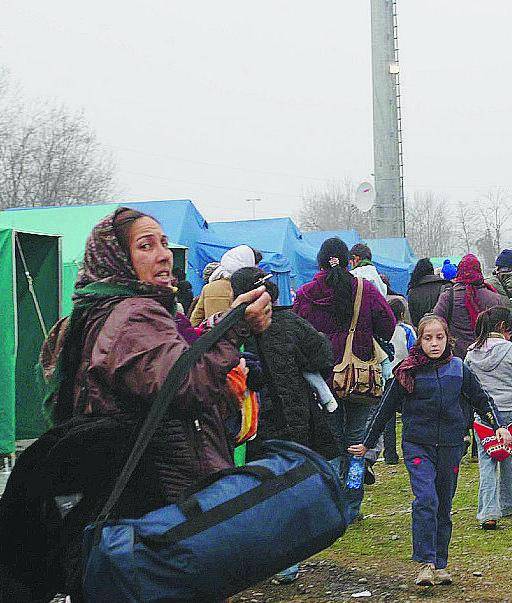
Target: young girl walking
<point>490,358</point>
<point>431,387</point>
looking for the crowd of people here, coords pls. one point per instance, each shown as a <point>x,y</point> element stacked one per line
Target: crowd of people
<point>445,349</point>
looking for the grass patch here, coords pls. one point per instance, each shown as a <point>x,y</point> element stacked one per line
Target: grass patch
<point>383,539</point>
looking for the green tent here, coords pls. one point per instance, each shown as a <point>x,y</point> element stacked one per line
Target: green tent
<point>51,242</point>
<point>73,223</point>
<point>30,303</point>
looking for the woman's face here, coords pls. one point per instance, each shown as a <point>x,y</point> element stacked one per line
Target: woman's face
<point>151,258</point>
<point>434,340</point>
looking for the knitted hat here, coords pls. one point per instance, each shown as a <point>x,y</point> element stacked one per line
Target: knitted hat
<point>504,260</point>
<point>449,270</point>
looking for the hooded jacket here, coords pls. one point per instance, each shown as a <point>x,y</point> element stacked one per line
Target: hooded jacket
<point>369,273</point>
<point>424,295</point>
<point>492,364</point>
<point>315,303</point>
<point>457,316</point>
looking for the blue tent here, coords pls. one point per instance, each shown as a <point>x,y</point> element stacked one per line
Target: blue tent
<point>317,237</point>
<point>275,236</point>
<point>394,248</point>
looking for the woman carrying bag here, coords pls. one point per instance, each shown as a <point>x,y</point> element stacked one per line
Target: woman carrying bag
<point>328,303</point>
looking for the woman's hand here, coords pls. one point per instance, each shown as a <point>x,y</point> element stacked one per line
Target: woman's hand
<point>504,436</point>
<point>358,449</point>
<point>259,313</point>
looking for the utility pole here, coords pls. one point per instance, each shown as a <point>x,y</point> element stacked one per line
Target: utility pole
<point>253,201</point>
<point>388,212</point>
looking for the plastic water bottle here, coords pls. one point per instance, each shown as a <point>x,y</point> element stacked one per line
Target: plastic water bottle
<point>355,473</point>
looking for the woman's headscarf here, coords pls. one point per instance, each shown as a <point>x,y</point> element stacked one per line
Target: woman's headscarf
<point>234,259</point>
<point>469,273</point>
<point>106,273</point>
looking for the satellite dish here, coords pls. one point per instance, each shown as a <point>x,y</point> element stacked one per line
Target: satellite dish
<point>365,196</point>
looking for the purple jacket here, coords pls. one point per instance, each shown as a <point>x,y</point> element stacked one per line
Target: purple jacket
<point>458,322</point>
<point>314,302</point>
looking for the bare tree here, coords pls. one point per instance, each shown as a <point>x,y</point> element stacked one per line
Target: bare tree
<point>495,211</point>
<point>333,208</point>
<point>49,155</point>
<point>467,227</point>
<point>429,225</point>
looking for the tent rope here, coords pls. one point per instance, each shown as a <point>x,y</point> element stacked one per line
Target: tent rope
<point>30,282</point>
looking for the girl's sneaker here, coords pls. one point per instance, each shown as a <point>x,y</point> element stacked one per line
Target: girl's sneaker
<point>443,576</point>
<point>426,576</point>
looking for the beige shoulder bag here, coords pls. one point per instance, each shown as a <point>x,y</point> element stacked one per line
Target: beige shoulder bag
<point>361,380</point>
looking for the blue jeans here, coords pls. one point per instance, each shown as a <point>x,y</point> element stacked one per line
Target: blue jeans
<point>433,472</point>
<point>495,488</point>
<point>351,419</point>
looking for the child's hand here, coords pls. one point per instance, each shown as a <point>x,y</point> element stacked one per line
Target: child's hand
<point>358,449</point>
<point>504,436</point>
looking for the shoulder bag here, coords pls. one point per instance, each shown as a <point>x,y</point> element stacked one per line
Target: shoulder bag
<point>359,380</point>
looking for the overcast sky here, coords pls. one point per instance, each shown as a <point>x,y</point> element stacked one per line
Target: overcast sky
<point>229,100</point>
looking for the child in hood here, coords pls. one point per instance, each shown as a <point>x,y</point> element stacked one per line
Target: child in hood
<point>490,358</point>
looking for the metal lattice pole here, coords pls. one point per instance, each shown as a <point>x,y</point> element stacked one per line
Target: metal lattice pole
<point>388,212</point>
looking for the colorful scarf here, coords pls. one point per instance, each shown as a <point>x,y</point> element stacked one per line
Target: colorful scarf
<point>106,274</point>
<point>405,372</point>
<point>469,273</point>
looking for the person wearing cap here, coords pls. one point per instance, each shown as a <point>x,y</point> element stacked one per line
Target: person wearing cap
<point>449,270</point>
<point>501,278</point>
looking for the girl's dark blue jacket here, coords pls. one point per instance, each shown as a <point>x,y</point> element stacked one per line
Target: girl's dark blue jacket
<point>439,410</point>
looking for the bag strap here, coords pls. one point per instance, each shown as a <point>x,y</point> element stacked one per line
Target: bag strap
<point>451,297</point>
<point>353,323</point>
<point>167,392</point>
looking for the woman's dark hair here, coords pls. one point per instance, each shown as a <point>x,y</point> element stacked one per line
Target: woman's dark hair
<point>398,308</point>
<point>338,278</point>
<point>244,279</point>
<point>424,267</point>
<point>123,221</point>
<point>489,320</point>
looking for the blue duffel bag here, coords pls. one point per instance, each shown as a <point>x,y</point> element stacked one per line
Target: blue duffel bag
<point>237,527</point>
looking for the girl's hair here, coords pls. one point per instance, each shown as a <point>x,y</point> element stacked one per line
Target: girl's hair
<point>489,320</point>
<point>424,267</point>
<point>426,320</point>
<point>244,279</point>
<point>338,278</point>
<point>122,224</point>
<point>398,308</point>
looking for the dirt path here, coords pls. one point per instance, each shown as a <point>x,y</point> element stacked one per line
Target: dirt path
<point>327,582</point>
